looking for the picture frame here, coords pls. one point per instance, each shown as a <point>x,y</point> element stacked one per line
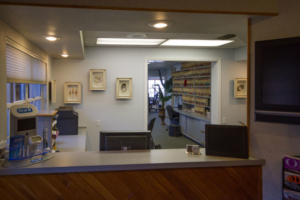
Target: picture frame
<point>240,88</point>
<point>97,79</point>
<point>52,91</point>
<point>72,93</point>
<point>124,88</point>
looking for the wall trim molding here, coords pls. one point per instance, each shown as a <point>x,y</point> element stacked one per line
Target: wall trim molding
<point>140,9</point>
<point>217,66</point>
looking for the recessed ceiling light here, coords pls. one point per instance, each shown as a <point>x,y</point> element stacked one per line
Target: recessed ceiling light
<point>196,43</point>
<point>64,55</point>
<point>127,41</point>
<point>160,24</point>
<point>51,38</point>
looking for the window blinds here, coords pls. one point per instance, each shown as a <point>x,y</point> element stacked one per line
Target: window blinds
<point>23,68</point>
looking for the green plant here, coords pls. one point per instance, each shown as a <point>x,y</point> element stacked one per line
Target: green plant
<point>168,86</point>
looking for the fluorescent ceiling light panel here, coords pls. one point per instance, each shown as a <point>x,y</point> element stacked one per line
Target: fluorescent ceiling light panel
<point>127,41</point>
<point>196,43</point>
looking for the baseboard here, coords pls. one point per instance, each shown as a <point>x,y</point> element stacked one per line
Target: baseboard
<point>82,126</point>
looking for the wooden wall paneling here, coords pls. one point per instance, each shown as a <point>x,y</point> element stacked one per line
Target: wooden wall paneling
<point>202,186</point>
<point>22,187</point>
<point>188,183</point>
<point>228,186</point>
<point>167,185</point>
<point>135,187</point>
<point>50,189</point>
<point>208,181</point>
<point>121,185</point>
<point>248,81</point>
<point>4,195</point>
<point>59,186</point>
<point>156,185</point>
<point>85,186</point>
<point>184,190</point>
<point>241,182</point>
<point>10,189</point>
<point>97,185</point>
<point>109,185</point>
<point>41,192</point>
<point>136,176</point>
<point>214,7</point>
<point>196,183</point>
<point>73,187</point>
<point>247,177</point>
<point>234,184</point>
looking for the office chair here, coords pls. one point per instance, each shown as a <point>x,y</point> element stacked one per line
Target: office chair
<point>174,127</point>
<point>173,116</point>
<point>150,127</point>
<point>154,102</point>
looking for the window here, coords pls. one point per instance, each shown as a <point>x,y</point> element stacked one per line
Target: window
<point>151,90</point>
<point>26,76</point>
<point>21,93</point>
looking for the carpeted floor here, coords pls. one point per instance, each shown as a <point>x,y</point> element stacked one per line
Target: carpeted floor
<point>161,136</point>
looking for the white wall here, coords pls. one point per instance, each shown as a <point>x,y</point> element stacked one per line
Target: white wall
<point>120,62</point>
<point>269,140</point>
<point>240,54</point>
<point>233,109</point>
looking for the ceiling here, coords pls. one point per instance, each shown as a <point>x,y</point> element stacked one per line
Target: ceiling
<point>35,22</point>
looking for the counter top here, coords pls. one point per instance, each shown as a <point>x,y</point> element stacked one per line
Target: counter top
<point>47,113</point>
<point>124,160</point>
<point>191,114</point>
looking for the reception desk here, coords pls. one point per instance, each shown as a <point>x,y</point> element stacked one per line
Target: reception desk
<point>192,125</point>
<point>149,174</point>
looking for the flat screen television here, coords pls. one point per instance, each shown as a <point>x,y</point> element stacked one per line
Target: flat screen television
<point>277,80</point>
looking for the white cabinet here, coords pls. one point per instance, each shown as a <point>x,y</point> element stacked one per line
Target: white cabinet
<point>192,127</point>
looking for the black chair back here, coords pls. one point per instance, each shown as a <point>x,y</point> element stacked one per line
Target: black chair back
<point>170,111</point>
<point>151,124</point>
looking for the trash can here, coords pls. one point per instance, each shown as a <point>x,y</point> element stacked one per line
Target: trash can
<point>175,131</point>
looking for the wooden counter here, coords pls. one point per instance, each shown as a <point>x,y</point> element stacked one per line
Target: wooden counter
<point>150,174</point>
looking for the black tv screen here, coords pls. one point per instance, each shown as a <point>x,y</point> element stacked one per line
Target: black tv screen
<point>277,75</point>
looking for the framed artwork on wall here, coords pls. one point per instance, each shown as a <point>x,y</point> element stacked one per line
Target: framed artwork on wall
<point>124,88</point>
<point>97,79</point>
<point>72,92</point>
<point>240,88</point>
<point>52,91</point>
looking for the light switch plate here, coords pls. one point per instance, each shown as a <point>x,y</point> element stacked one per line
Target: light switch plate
<point>224,120</point>
<point>98,123</point>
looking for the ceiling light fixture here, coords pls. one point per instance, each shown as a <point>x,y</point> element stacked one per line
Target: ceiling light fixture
<point>127,41</point>
<point>160,24</point>
<point>64,55</point>
<point>196,43</point>
<point>137,35</point>
<point>51,38</point>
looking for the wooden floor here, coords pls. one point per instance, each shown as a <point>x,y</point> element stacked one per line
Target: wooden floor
<point>226,183</point>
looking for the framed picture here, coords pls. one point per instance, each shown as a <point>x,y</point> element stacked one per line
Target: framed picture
<point>52,91</point>
<point>73,92</point>
<point>97,79</point>
<point>240,88</point>
<point>124,88</point>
